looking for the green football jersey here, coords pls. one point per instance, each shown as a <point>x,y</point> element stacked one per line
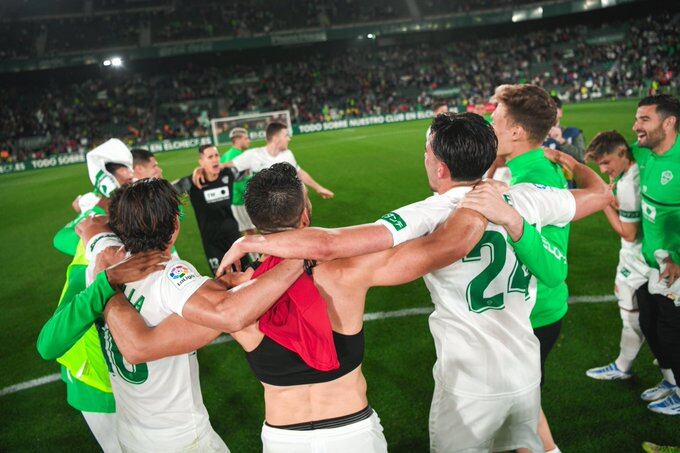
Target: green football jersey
<point>239,189</point>
<point>660,193</point>
<point>534,167</point>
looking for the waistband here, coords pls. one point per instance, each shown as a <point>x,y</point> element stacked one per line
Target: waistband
<point>336,422</point>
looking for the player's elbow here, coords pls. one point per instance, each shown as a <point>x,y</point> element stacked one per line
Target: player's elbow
<point>231,318</point>
<point>134,356</point>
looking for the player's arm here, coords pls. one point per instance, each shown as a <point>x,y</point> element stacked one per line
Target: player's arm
<point>626,229</point>
<point>452,241</point>
<point>232,310</point>
<point>544,256</point>
<point>322,244</point>
<point>307,179</point>
<point>140,343</point>
<point>80,308</point>
<point>326,244</point>
<point>593,194</point>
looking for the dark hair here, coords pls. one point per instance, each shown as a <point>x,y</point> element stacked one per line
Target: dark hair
<point>606,143</point>
<point>143,214</point>
<point>666,105</point>
<point>141,156</point>
<point>275,198</point>
<point>557,101</point>
<point>530,107</point>
<point>202,148</point>
<point>273,129</point>
<point>112,167</point>
<point>439,105</point>
<point>465,142</point>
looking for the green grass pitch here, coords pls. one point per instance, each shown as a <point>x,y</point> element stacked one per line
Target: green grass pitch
<point>372,170</point>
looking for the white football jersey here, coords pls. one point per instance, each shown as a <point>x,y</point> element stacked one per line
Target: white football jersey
<point>483,337</point>
<point>257,159</point>
<point>628,198</point>
<point>159,404</point>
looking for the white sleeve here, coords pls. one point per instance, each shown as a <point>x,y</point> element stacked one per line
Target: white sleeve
<point>88,201</point>
<point>290,158</point>
<point>417,219</point>
<point>628,197</point>
<point>243,161</point>
<point>112,150</point>
<point>98,243</point>
<point>179,282</point>
<point>542,205</point>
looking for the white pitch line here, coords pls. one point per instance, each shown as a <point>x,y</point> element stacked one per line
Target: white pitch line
<point>367,317</point>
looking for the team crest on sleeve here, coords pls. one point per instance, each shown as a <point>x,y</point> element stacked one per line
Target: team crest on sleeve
<point>395,220</point>
<point>180,274</point>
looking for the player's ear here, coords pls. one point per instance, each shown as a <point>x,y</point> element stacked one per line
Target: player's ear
<point>443,171</point>
<point>305,218</point>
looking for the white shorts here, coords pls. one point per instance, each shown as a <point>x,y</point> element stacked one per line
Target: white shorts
<point>471,425</point>
<point>209,441</point>
<point>631,273</point>
<point>242,218</point>
<point>365,436</point>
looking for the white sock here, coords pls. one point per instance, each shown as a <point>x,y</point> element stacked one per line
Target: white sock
<point>631,340</point>
<point>668,375</point>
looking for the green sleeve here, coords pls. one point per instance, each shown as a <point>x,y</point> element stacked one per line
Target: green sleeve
<point>74,316</point>
<point>542,257</point>
<point>228,156</point>
<point>66,240</point>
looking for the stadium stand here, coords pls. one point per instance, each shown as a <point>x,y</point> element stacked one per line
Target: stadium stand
<point>577,62</point>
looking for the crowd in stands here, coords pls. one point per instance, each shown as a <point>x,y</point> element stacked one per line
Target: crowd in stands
<point>48,28</point>
<point>634,57</point>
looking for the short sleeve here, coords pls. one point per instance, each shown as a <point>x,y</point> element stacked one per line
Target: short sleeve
<point>179,282</point>
<point>542,205</point>
<point>290,158</point>
<point>99,243</point>
<point>88,201</point>
<point>244,161</point>
<point>628,197</point>
<point>417,219</point>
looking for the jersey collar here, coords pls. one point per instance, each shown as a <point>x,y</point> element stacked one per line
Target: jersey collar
<point>525,160</point>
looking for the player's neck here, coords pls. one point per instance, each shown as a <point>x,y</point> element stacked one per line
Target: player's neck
<point>519,148</point>
<point>445,186</point>
<point>210,176</point>
<point>271,149</point>
<point>665,145</point>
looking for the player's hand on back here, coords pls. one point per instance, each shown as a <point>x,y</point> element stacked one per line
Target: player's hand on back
<point>136,267</point>
<point>325,193</point>
<point>198,177</point>
<point>564,160</point>
<point>489,202</point>
<point>500,186</point>
<point>107,258</point>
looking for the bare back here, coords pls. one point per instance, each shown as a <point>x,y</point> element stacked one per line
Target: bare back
<point>285,405</point>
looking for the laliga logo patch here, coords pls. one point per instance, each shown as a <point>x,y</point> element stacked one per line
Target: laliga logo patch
<point>666,177</point>
<point>179,274</point>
